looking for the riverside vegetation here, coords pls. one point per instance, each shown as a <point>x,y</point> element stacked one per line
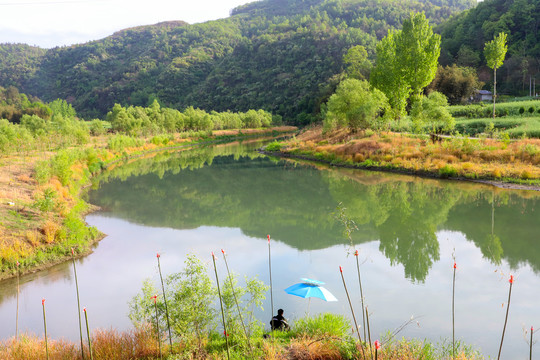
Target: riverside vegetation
<point>46,161</point>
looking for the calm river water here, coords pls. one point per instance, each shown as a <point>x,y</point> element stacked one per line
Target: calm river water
<point>230,197</point>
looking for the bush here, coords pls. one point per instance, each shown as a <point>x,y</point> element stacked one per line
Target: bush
<point>273,146</point>
<point>325,324</point>
<point>119,143</point>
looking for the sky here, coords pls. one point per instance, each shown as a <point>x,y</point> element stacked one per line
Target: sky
<point>51,23</point>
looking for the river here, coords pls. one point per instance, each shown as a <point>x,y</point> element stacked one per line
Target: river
<point>409,231</point>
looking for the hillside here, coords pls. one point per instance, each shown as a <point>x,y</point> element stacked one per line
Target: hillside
<point>280,55</point>
<point>464,36</point>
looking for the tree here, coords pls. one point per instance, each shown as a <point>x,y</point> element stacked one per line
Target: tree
<point>406,61</point>
<point>358,65</point>
<point>355,105</point>
<point>456,82</point>
<point>433,112</point>
<point>494,52</point>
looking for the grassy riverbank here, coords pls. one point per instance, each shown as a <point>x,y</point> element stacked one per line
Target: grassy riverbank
<point>325,336</point>
<point>503,161</point>
<point>41,210</point>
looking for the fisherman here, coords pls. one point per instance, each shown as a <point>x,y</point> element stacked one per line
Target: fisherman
<point>279,322</point>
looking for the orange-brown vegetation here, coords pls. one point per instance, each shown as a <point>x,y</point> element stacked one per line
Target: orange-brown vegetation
<point>469,158</point>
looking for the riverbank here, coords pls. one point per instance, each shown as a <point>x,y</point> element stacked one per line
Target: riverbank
<point>507,164</point>
<point>41,210</point>
<point>325,336</point>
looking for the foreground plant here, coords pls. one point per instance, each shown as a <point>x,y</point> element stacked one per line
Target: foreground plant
<point>511,281</point>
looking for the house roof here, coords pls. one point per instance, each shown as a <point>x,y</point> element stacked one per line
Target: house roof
<point>483,92</point>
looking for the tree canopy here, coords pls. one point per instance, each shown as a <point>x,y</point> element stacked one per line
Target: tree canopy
<point>406,61</point>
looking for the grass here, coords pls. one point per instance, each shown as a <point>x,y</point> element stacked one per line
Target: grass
<point>40,207</point>
<point>458,157</point>
<point>325,336</point>
<point>516,108</point>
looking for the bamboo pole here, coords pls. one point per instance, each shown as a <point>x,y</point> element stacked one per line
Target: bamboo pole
<point>270,272</point>
<point>361,292</point>
<point>221,305</point>
<point>453,313</point>
<point>352,311</point>
<point>45,327</point>
<point>164,300</point>
<point>17,311</point>
<point>511,281</point>
<point>157,325</point>
<point>88,334</point>
<point>235,299</point>
<point>78,301</point>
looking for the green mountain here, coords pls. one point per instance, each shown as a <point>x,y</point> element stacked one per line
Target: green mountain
<point>464,36</point>
<point>284,56</point>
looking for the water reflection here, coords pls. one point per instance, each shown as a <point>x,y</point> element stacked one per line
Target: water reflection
<point>295,202</point>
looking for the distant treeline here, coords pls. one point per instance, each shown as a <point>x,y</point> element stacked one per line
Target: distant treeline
<point>283,56</point>
<point>26,125</point>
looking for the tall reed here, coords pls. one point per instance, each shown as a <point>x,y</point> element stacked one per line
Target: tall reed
<point>453,313</point>
<point>352,310</point>
<point>164,300</point>
<point>78,301</point>
<point>45,327</point>
<point>157,325</point>
<point>270,272</point>
<point>377,347</point>
<point>530,344</point>
<point>88,334</point>
<point>17,311</point>
<point>221,305</point>
<point>356,254</point>
<point>235,299</point>
<point>511,281</point>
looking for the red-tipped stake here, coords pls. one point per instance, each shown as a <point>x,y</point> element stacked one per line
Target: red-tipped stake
<point>352,311</point>
<point>45,326</point>
<point>157,324</point>
<point>17,313</point>
<point>221,305</point>
<point>88,334</point>
<point>235,299</point>
<point>164,299</point>
<point>511,281</point>
<point>270,272</point>
<point>453,313</point>
<point>530,344</point>
<point>361,292</point>
<point>368,330</point>
<point>377,347</point>
<point>78,302</point>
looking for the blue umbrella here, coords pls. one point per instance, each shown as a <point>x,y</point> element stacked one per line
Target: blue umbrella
<point>309,288</point>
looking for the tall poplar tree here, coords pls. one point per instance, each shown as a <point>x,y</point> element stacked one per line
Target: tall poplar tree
<point>406,61</point>
<point>494,52</point>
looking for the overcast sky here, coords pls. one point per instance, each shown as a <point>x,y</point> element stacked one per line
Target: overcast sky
<point>50,23</point>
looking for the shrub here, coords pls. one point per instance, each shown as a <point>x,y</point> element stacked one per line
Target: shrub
<point>273,146</point>
<point>447,171</point>
<point>325,324</point>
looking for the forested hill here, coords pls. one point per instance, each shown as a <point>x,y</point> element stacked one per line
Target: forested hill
<point>284,56</point>
<point>464,36</point>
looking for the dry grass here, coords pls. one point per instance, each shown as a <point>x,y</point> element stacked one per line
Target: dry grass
<point>482,158</point>
<point>106,345</point>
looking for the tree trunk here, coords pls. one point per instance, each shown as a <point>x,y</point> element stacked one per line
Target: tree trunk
<point>494,89</point>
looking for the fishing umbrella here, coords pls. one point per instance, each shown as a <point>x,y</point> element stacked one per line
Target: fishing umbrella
<point>309,288</point>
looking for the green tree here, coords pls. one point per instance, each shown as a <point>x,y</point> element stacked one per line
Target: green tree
<point>358,65</point>
<point>418,51</point>
<point>495,52</point>
<point>355,105</point>
<point>406,61</point>
<point>456,82</point>
<point>432,111</point>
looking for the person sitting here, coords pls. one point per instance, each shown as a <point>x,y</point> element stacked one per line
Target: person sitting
<point>279,322</point>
